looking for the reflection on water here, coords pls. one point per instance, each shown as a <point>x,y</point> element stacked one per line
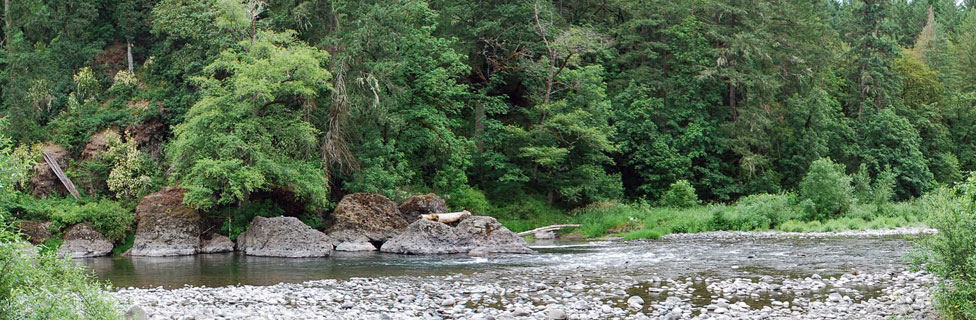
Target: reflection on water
<point>667,258</point>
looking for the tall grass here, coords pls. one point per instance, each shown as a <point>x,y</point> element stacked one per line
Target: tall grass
<point>779,212</point>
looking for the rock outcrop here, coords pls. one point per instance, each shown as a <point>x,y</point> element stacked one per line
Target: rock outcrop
<point>283,237</point>
<point>430,237</point>
<point>413,207</point>
<point>99,143</point>
<point>368,214</point>
<point>44,182</point>
<point>165,226</point>
<point>216,244</point>
<point>83,241</point>
<point>36,231</point>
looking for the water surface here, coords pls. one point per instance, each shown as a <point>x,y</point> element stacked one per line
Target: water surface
<point>664,258</point>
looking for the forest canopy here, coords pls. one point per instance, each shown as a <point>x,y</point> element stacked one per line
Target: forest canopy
<point>564,102</point>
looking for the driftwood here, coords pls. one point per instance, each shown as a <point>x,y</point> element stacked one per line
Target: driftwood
<point>548,229</point>
<point>445,217</point>
<point>61,176</point>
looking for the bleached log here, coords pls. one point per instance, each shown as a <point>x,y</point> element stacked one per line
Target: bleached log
<point>61,176</point>
<point>548,228</point>
<point>446,217</point>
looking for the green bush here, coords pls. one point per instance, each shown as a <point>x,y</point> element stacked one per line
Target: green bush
<point>108,217</point>
<point>39,285</point>
<point>739,220</point>
<point>681,194</point>
<point>468,198</point>
<point>951,253</point>
<point>526,213</point>
<point>827,188</point>
<point>777,208</point>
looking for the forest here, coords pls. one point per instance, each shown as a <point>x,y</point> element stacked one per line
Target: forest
<point>633,118</point>
<point>550,104</point>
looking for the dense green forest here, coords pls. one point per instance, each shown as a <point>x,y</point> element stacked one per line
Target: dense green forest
<point>552,103</point>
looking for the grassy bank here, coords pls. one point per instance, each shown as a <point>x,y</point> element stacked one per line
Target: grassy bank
<point>755,213</point>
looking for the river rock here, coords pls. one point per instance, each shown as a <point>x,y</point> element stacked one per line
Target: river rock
<point>136,313</point>
<point>430,237</point>
<point>216,244</point>
<point>478,252</point>
<point>372,215</point>
<point>165,226</point>
<point>413,207</point>
<point>36,231</point>
<point>635,302</point>
<point>44,182</point>
<point>355,246</point>
<point>427,237</point>
<point>283,237</point>
<point>350,240</point>
<point>484,231</point>
<point>557,314</point>
<point>83,241</point>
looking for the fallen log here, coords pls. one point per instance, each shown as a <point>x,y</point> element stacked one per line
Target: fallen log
<point>61,176</point>
<point>446,217</point>
<point>548,228</point>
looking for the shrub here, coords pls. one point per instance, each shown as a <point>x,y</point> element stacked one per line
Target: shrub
<point>108,217</point>
<point>740,221</point>
<point>132,171</point>
<point>468,198</point>
<point>37,285</point>
<point>681,194</point>
<point>827,188</point>
<point>526,213</point>
<point>951,253</point>
<point>777,208</point>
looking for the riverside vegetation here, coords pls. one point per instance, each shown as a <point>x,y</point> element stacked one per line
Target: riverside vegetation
<point>632,118</point>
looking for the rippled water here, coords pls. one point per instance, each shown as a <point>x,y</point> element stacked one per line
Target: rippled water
<point>665,258</point>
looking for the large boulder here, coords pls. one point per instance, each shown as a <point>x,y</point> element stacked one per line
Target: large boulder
<point>283,237</point>
<point>486,232</point>
<point>372,215</point>
<point>413,207</point>
<point>83,241</point>
<point>165,226</point>
<point>216,244</point>
<point>36,231</point>
<point>427,237</point>
<point>44,182</point>
<point>430,237</point>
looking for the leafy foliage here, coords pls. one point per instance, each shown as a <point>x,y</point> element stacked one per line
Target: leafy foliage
<point>44,286</point>
<point>680,195</point>
<point>246,133</point>
<point>827,188</point>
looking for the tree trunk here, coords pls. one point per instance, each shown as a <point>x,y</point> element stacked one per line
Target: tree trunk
<point>732,104</point>
<point>479,125</point>
<point>128,53</point>
<point>6,19</point>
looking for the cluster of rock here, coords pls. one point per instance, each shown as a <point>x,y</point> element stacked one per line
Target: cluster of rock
<point>360,222</point>
<point>552,293</point>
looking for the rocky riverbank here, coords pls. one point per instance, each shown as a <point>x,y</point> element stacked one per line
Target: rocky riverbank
<point>614,282</point>
<point>552,296</point>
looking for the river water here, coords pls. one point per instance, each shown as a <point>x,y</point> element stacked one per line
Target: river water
<point>711,257</point>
